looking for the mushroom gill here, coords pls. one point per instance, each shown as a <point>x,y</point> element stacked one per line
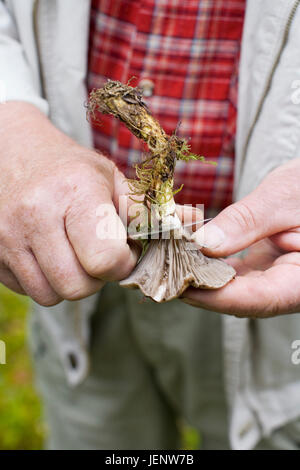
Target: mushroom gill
<point>170,266</point>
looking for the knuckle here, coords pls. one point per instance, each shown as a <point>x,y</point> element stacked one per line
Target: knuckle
<point>93,266</point>
<point>8,237</point>
<point>46,196</point>
<point>13,256</point>
<point>105,263</point>
<point>78,173</point>
<point>67,281</point>
<point>99,265</point>
<point>31,210</point>
<point>83,171</point>
<point>47,299</point>
<point>241,214</point>
<point>73,292</point>
<point>31,202</point>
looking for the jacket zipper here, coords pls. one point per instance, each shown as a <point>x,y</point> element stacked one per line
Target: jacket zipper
<point>270,78</point>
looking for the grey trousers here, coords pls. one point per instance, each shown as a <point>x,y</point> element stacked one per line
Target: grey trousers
<point>153,368</point>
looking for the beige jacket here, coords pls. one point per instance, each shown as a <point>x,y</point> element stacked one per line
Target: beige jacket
<point>43,50</point>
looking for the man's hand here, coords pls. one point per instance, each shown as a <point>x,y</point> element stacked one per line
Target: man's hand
<point>268,280</point>
<point>50,189</point>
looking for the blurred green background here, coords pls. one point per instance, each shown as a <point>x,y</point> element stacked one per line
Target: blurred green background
<point>21,423</point>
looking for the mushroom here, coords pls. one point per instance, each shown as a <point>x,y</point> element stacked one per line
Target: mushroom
<point>168,265</point>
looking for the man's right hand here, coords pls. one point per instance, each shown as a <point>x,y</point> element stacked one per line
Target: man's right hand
<point>50,189</point>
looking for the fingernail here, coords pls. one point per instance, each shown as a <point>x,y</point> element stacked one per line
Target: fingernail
<point>209,236</point>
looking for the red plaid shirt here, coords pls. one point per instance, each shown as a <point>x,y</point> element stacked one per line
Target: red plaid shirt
<point>189,49</point>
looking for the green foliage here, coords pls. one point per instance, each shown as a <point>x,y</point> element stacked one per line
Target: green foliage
<point>191,439</point>
<point>21,426</point>
<point>184,153</point>
<point>153,166</point>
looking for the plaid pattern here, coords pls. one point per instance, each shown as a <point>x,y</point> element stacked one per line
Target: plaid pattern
<point>190,50</point>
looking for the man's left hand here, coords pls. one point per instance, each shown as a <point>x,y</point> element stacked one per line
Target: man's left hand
<point>268,277</point>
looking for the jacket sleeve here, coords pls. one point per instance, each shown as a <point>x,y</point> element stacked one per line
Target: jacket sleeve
<point>16,76</point>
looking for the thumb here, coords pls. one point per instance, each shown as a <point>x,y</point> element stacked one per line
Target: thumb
<point>98,235</point>
<point>259,215</point>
